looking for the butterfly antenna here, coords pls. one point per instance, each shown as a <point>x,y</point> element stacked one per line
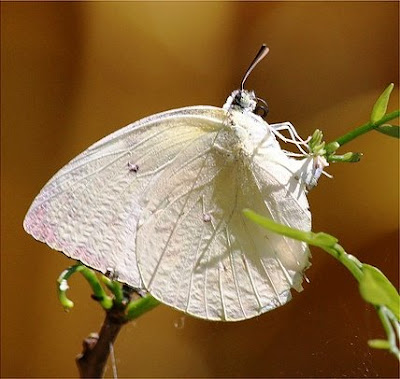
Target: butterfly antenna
<point>260,55</point>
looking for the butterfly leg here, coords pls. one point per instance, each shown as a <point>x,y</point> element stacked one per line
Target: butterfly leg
<point>292,130</point>
<point>295,138</point>
<point>291,154</point>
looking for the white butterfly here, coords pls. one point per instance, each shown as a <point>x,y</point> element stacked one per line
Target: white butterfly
<point>160,202</point>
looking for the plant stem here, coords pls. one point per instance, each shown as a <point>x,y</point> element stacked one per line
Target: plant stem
<point>348,260</point>
<point>96,349</point>
<point>98,291</point>
<point>120,309</point>
<point>366,128</point>
<point>136,308</point>
<point>391,336</point>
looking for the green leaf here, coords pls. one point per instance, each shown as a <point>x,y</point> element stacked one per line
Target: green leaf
<point>389,130</point>
<point>270,224</point>
<point>316,239</point>
<point>379,344</point>
<point>376,289</point>
<point>379,109</point>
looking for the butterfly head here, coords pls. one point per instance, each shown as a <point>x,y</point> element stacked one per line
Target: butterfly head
<point>242,100</point>
<point>246,101</point>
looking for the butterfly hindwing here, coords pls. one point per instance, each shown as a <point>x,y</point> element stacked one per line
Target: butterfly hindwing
<point>198,253</point>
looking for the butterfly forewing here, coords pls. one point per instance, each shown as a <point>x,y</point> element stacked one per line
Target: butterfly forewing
<point>89,209</point>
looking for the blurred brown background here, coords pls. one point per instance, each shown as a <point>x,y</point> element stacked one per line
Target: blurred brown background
<point>74,72</point>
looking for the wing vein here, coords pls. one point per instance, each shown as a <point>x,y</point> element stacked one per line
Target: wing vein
<point>188,298</point>
<point>178,221</point>
<point>248,269</point>
<point>86,155</point>
<point>271,213</point>
<point>234,274</point>
<point>221,290</point>
<point>82,179</point>
<point>260,260</point>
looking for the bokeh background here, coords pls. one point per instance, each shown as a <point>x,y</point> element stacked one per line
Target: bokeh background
<point>73,72</point>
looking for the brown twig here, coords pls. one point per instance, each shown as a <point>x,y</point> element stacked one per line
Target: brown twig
<point>96,348</point>
<point>125,304</point>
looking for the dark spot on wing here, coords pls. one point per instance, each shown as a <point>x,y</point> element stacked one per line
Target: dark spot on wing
<point>133,167</point>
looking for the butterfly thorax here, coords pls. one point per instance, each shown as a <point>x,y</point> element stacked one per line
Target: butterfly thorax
<point>252,131</point>
<point>243,136</point>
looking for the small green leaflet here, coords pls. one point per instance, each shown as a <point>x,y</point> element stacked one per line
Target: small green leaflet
<point>389,130</point>
<point>376,289</point>
<point>379,109</point>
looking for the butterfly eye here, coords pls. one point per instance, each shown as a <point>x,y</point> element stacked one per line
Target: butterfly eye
<point>262,108</point>
<point>261,111</point>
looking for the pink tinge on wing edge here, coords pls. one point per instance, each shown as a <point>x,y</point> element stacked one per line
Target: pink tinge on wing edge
<point>43,232</point>
<point>88,258</point>
<point>48,234</point>
<point>34,224</point>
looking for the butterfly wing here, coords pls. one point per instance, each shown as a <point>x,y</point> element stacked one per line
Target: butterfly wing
<point>197,252</point>
<point>89,209</point>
